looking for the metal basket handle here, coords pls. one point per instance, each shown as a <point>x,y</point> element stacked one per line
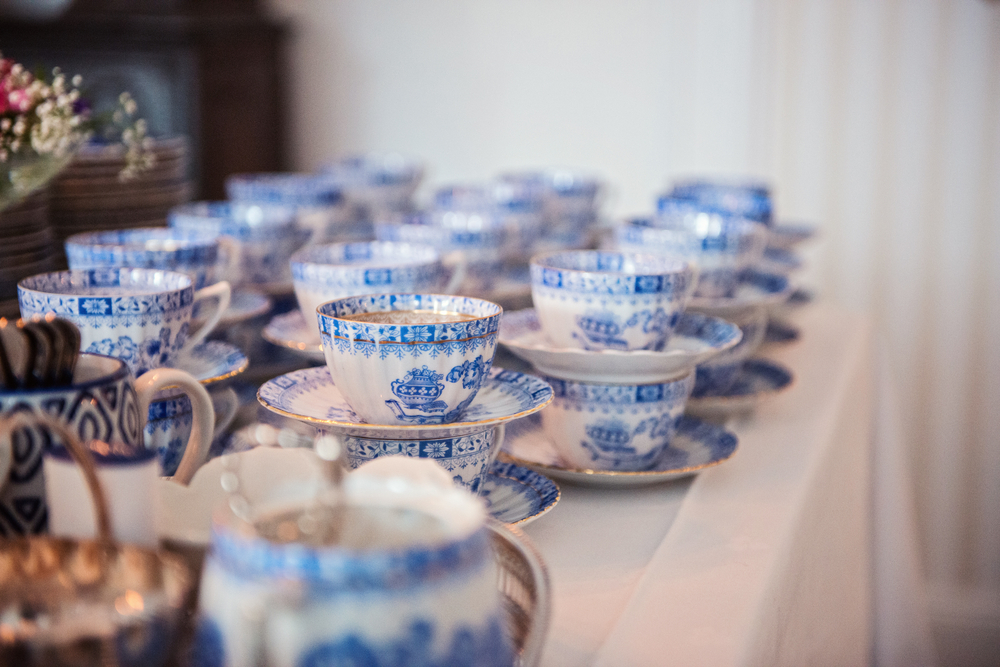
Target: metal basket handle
<point>77,450</point>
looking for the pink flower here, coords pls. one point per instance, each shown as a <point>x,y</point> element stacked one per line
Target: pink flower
<point>19,100</point>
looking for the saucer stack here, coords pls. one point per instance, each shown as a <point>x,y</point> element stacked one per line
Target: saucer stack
<point>88,195</point>
<point>611,335</point>
<point>28,247</point>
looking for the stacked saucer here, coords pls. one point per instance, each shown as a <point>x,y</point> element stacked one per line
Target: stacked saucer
<point>28,247</point>
<point>88,195</point>
<point>610,332</point>
<point>411,375</point>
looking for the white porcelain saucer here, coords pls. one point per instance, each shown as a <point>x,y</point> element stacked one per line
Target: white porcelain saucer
<point>756,288</point>
<point>309,395</point>
<point>245,305</point>
<point>696,446</point>
<point>696,339</point>
<point>758,380</point>
<point>212,361</point>
<point>291,331</point>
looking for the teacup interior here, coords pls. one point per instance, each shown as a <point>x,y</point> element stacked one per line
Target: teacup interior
<point>108,282</point>
<point>93,367</point>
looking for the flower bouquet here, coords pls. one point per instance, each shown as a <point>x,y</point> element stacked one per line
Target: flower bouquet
<point>43,123</point>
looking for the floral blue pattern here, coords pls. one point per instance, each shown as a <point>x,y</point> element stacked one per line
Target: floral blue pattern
<point>464,457</point>
<point>487,646</point>
<point>194,252</point>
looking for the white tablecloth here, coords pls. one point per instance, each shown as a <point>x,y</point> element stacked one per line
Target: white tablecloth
<point>765,560</point>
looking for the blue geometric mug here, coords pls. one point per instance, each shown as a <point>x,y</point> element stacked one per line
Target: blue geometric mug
<point>103,403</point>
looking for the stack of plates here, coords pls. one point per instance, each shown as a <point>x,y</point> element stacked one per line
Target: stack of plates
<point>28,247</point>
<point>88,196</point>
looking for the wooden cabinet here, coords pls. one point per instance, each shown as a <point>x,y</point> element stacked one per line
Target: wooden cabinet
<point>209,69</point>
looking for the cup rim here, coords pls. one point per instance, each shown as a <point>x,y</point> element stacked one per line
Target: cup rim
<point>103,239</point>
<point>329,305</point>
<point>601,385</point>
<point>226,212</point>
<point>672,265</point>
<point>311,255</point>
<point>29,284</point>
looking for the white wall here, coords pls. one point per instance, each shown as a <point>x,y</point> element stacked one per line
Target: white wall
<point>877,119</point>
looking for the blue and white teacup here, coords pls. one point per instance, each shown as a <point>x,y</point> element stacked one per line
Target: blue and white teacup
<point>317,199</point>
<point>380,182</point>
<point>614,426</point>
<point>409,358</point>
<point>466,458</point>
<point>478,236</point>
<point>598,300</point>
<point>142,316</point>
<point>746,199</point>
<point>722,245</point>
<point>203,255</point>
<point>334,271</point>
<point>266,234</point>
<point>716,376</point>
<point>170,422</point>
<point>103,403</point>
<point>411,579</point>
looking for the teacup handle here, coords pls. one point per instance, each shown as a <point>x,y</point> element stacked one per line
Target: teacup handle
<point>232,251</point>
<point>456,262</point>
<point>203,416</point>
<point>224,404</point>
<point>223,293</point>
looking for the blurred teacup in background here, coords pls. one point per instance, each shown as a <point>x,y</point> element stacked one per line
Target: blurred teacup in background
<point>266,236</point>
<point>334,271</point>
<point>205,256</point>
<point>477,236</point>
<point>317,200</point>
